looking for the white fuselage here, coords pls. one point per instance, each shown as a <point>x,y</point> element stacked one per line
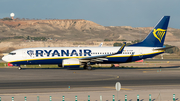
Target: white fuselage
<point>40,55</point>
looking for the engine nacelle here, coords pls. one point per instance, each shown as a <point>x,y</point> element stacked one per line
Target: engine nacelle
<point>71,63</point>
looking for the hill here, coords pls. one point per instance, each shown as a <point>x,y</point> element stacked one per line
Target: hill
<point>20,33</point>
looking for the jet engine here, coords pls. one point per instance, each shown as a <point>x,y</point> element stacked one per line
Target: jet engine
<point>71,63</point>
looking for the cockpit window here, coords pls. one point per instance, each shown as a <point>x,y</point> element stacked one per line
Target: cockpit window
<point>12,53</point>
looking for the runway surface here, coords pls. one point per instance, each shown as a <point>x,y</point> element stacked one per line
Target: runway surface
<point>12,78</point>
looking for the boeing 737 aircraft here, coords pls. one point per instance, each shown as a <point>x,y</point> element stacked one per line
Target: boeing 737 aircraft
<point>74,57</point>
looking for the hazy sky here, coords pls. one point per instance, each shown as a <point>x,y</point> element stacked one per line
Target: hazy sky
<point>135,13</point>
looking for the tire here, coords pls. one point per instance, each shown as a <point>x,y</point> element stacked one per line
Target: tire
<point>19,68</point>
<point>89,68</point>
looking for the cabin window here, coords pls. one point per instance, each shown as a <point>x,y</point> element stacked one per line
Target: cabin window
<point>12,53</point>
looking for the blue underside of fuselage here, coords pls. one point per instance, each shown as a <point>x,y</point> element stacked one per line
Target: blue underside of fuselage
<point>110,60</point>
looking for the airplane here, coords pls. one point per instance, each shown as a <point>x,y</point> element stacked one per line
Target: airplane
<point>100,45</point>
<point>74,57</point>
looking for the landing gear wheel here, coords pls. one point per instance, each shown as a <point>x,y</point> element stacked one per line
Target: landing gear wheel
<point>89,68</point>
<point>19,68</point>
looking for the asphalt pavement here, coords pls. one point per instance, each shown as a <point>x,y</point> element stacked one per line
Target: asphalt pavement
<point>12,78</point>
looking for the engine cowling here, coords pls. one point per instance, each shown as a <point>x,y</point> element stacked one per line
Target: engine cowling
<point>71,63</point>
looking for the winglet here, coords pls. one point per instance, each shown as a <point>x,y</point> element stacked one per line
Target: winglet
<point>121,49</point>
<point>104,56</point>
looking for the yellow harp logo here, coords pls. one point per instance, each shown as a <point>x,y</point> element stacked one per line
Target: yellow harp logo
<point>159,33</point>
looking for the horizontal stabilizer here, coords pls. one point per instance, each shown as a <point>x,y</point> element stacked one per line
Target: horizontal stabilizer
<point>164,48</point>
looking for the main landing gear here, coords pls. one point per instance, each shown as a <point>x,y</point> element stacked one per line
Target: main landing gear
<point>88,67</point>
<point>19,68</point>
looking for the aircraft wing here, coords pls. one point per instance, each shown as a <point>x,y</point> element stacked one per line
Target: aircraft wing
<point>103,57</point>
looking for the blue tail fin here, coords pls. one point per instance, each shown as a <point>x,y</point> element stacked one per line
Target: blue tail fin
<point>157,35</point>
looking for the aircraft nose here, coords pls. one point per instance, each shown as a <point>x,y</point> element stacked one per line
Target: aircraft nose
<point>5,58</point>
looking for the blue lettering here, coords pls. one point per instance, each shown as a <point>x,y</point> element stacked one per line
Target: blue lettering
<point>39,52</point>
<point>74,53</point>
<point>55,53</point>
<point>80,52</point>
<point>65,52</point>
<point>87,51</point>
<point>48,53</point>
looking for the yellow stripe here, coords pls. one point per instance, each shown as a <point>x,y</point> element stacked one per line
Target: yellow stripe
<point>115,88</point>
<point>70,64</point>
